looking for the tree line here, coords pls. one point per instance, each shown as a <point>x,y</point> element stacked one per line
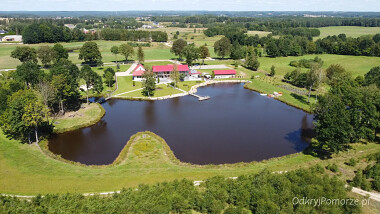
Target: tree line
<point>264,192</point>
<point>267,23</point>
<point>49,33</point>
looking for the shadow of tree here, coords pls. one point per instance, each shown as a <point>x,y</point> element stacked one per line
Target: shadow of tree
<point>302,99</point>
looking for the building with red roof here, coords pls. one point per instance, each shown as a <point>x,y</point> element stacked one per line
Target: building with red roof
<point>219,74</point>
<point>163,71</point>
<point>138,72</point>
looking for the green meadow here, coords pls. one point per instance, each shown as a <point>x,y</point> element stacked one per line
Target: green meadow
<point>350,31</point>
<point>28,170</point>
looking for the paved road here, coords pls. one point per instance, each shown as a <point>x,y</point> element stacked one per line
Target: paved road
<point>200,67</point>
<point>127,72</point>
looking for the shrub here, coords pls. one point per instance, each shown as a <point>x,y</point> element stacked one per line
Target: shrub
<point>351,162</point>
<point>332,167</point>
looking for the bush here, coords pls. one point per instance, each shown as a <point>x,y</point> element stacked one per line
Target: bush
<point>332,167</point>
<point>351,162</point>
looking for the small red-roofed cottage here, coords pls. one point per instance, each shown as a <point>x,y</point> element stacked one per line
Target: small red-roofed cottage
<point>163,71</point>
<point>138,72</point>
<point>222,74</point>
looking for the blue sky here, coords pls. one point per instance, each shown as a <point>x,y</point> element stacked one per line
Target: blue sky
<point>230,5</point>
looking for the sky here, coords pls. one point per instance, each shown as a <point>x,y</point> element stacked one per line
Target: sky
<point>211,5</point>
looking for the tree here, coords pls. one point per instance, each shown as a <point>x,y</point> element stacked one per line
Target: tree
<point>191,53</point>
<point>23,112</point>
<point>272,49</point>
<point>149,83</point>
<point>46,92</point>
<point>222,47</point>
<point>204,53</point>
<point>90,53</point>
<point>237,51</point>
<point>115,51</point>
<point>25,54</point>
<point>65,77</point>
<point>333,129</point>
<point>109,76</point>
<point>334,71</point>
<point>140,55</point>
<point>178,47</point>
<point>174,75</point>
<point>45,54</point>
<point>315,76</point>
<point>91,79</point>
<point>34,115</point>
<point>126,50</point>
<point>272,71</point>
<point>252,62</point>
<point>59,52</point>
<point>28,73</point>
<point>373,76</point>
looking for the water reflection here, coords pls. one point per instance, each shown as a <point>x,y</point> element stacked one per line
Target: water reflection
<point>235,125</point>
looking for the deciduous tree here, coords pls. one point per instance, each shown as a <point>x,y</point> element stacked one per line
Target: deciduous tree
<point>222,47</point>
<point>140,55</point>
<point>191,53</point>
<point>45,54</point>
<point>149,83</point>
<point>126,50</point>
<point>90,53</point>
<point>204,53</point>
<point>178,47</point>
<point>25,54</point>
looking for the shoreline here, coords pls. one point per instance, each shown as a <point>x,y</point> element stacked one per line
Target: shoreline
<point>192,90</point>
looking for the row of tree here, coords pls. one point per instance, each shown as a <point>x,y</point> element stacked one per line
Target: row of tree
<point>133,35</point>
<point>264,192</point>
<point>50,33</point>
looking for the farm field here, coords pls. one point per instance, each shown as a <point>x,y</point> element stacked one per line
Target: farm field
<point>147,160</point>
<point>350,31</point>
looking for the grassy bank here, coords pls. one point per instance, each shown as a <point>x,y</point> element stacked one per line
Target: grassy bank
<point>292,99</point>
<point>86,116</point>
<point>24,169</point>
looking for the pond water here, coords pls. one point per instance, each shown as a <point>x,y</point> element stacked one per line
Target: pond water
<point>234,125</point>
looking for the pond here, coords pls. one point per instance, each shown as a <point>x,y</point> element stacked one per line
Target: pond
<point>234,125</point>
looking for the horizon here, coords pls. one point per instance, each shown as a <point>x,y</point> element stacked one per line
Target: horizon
<point>193,5</point>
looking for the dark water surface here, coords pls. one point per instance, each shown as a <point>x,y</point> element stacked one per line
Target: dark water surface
<point>235,125</point>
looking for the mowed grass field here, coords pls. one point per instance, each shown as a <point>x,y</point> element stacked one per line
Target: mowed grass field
<point>26,170</point>
<point>156,51</point>
<point>357,65</point>
<point>350,31</point>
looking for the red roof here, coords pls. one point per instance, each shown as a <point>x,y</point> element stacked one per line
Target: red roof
<point>224,72</point>
<point>138,73</point>
<point>169,68</point>
<point>139,66</point>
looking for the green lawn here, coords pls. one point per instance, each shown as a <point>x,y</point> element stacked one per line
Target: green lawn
<point>24,169</point>
<point>125,84</point>
<point>350,31</point>
<point>265,85</point>
<point>88,115</point>
<point>156,51</point>
<point>357,65</point>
